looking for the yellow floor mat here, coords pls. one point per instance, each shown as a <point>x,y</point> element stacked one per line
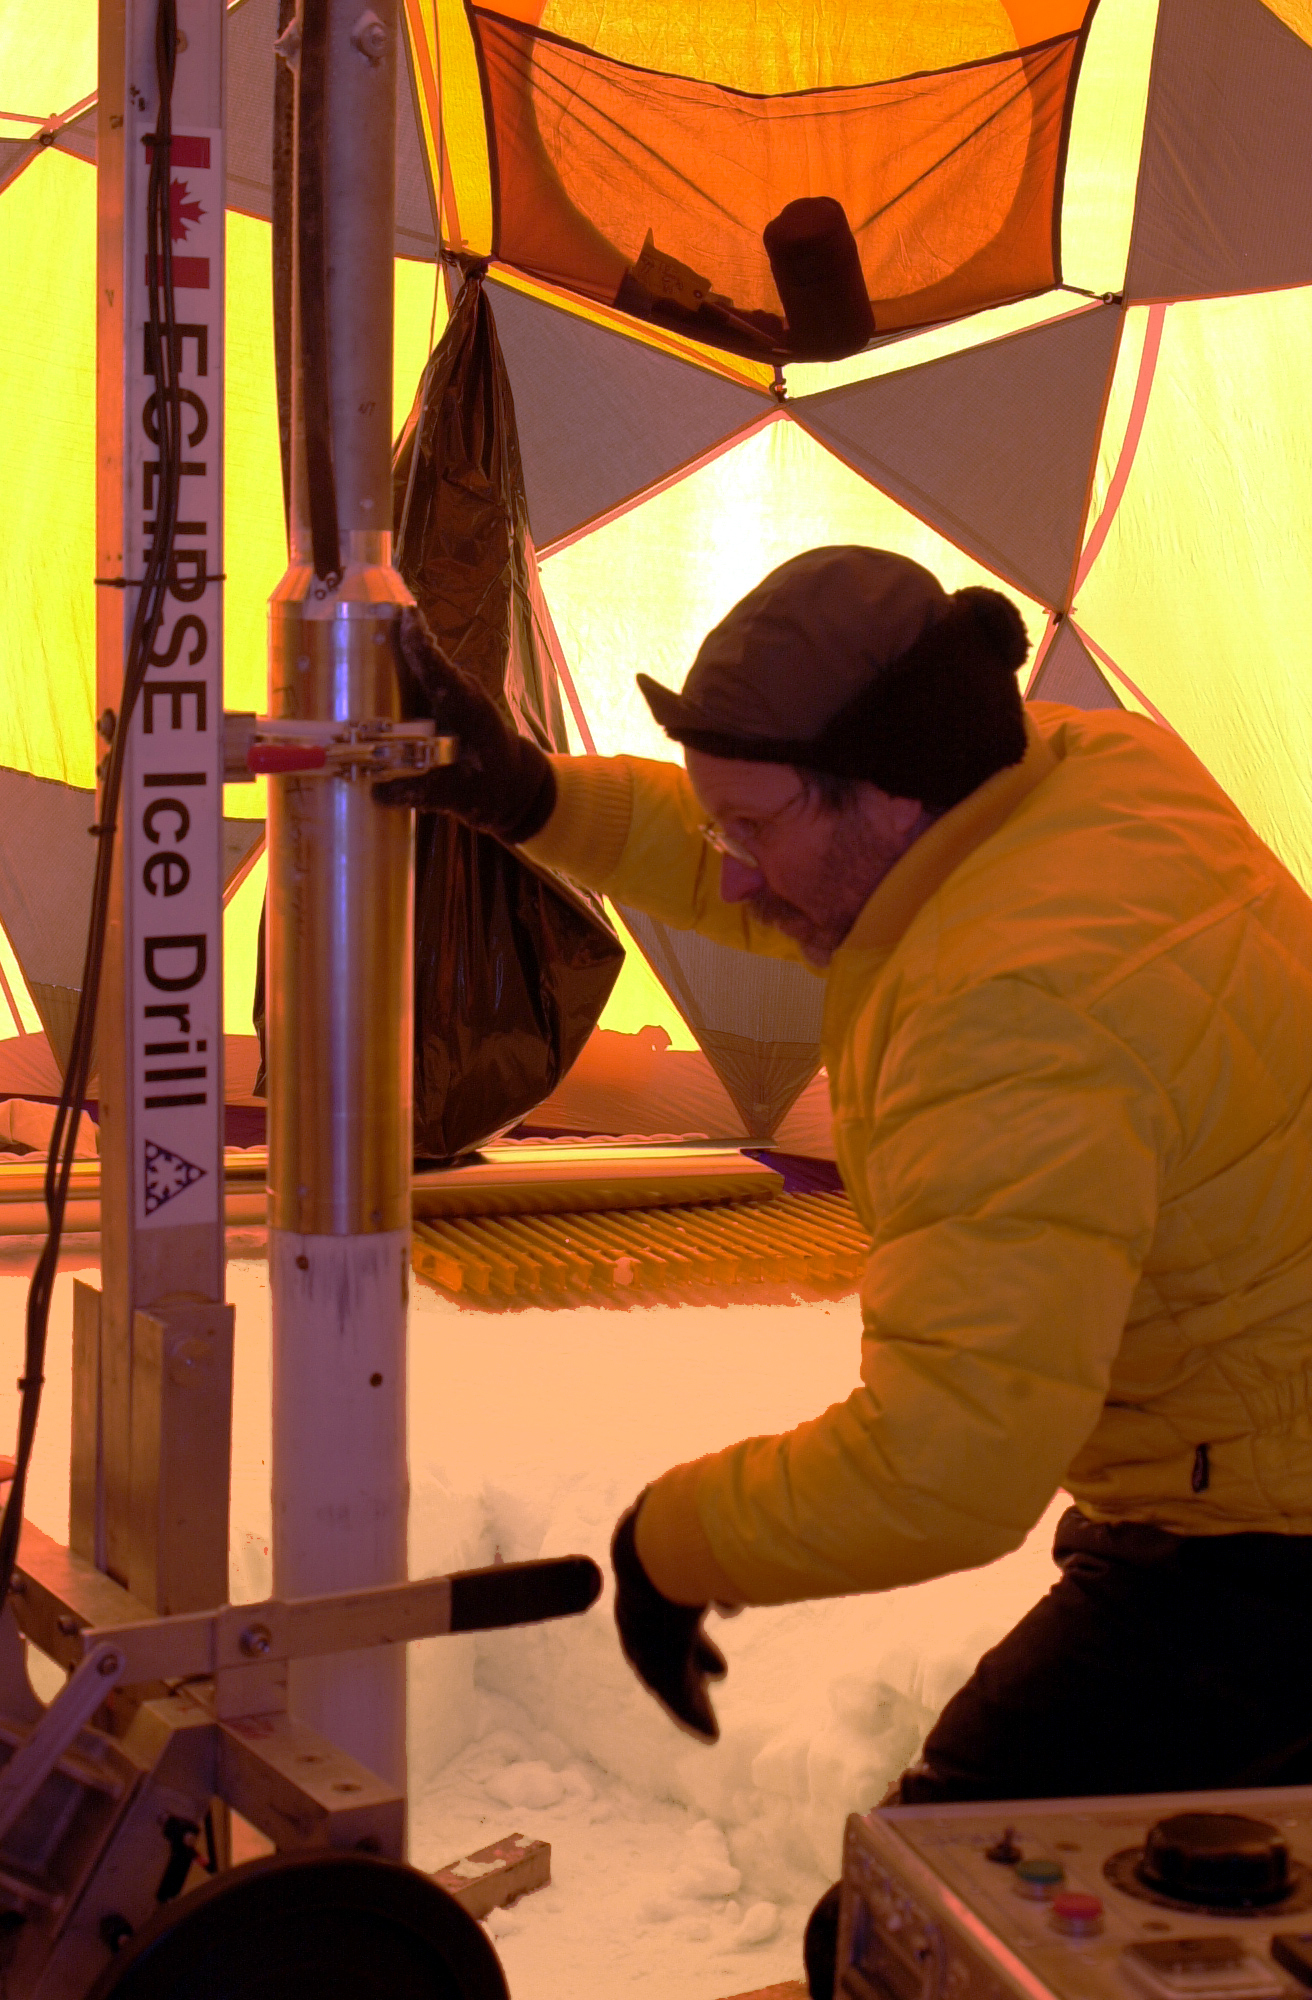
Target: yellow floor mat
<point>812,1240</point>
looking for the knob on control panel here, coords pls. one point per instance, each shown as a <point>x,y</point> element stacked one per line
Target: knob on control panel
<point>1038,1878</point>
<point>1076,1915</point>
<point>1223,1860</point>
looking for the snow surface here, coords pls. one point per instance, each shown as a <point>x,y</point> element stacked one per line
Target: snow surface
<point>680,1871</point>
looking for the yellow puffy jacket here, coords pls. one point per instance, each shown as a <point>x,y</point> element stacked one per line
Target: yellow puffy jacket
<point>1069,1044</point>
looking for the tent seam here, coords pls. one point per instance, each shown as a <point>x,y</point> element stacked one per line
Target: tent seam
<point>608,319</point>
<point>1122,676</point>
<point>1129,444</point>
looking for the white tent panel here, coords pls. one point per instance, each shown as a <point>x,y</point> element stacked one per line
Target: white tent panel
<point>1222,203</point>
<point>992,445</point>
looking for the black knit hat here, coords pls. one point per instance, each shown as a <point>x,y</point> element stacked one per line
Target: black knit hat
<point>855,661</point>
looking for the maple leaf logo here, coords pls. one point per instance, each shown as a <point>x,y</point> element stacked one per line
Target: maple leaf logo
<point>182,213</point>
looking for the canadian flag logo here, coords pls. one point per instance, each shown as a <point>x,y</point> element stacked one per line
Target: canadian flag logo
<point>182,213</point>
<point>185,210</point>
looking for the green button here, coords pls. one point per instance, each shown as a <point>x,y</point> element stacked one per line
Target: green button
<point>1040,1875</point>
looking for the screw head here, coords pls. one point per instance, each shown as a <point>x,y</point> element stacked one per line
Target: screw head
<point>109,1665</point>
<point>256,1641</point>
<point>115,1930</point>
<point>370,36</point>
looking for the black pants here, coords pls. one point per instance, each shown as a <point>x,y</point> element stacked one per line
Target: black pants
<point>1157,1663</point>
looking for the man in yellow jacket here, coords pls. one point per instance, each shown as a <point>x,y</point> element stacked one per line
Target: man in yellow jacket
<point>1068,1032</point>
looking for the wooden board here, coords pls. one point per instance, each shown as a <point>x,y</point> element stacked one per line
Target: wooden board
<point>506,1179</point>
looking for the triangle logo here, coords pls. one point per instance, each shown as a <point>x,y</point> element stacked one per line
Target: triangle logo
<point>167,1175</point>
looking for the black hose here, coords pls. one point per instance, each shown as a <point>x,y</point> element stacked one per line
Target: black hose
<point>283,166</point>
<point>312,281</point>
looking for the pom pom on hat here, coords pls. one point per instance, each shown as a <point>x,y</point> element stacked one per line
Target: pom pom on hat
<point>999,621</point>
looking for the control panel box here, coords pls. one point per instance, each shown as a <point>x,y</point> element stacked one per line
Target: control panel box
<point>1181,1896</point>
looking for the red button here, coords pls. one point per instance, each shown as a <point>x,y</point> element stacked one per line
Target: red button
<point>1073,1912</point>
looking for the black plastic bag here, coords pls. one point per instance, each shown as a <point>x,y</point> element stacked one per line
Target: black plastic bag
<point>512,965</point>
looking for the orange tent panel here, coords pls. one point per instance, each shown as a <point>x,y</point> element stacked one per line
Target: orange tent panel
<point>949,178</point>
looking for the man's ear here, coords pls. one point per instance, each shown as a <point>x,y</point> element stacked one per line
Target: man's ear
<point>899,817</point>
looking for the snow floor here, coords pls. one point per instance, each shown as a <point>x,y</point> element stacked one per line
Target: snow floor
<point>679,1871</point>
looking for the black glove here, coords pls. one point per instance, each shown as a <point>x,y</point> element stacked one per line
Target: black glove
<point>500,782</point>
<point>663,1642</point>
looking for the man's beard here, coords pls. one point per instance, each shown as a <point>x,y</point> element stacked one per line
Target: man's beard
<point>854,863</point>
<point>818,941</point>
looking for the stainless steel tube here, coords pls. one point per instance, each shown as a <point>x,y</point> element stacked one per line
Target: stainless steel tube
<point>339,929</point>
<point>340,895</point>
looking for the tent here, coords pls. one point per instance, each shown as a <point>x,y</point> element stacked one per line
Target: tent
<point>1089,250</point>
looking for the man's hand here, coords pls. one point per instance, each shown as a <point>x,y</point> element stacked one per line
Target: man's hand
<point>664,1642</point>
<point>500,782</point>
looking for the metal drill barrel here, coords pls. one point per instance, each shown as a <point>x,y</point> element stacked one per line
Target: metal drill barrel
<point>340,900</point>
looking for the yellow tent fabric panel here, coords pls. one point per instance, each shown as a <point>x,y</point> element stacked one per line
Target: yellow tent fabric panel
<point>443,52</point>
<point>1102,160</point>
<point>637,999</point>
<point>1120,404</point>
<point>420,316</point>
<point>47,469</point>
<point>18,1013</point>
<point>47,58</point>
<point>773,45</point>
<point>254,534</point>
<point>1296,14</point>
<point>1203,593</point>
<point>241,925</point>
<point>641,592</point>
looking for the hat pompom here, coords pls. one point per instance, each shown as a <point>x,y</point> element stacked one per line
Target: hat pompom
<point>999,621</point>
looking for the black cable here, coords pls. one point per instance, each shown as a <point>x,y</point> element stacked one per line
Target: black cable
<point>162,345</point>
<point>312,294</point>
<point>283,178</point>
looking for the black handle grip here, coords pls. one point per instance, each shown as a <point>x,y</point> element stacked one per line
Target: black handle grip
<point>523,1593</point>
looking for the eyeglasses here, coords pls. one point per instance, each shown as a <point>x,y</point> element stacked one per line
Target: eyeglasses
<point>736,844</point>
